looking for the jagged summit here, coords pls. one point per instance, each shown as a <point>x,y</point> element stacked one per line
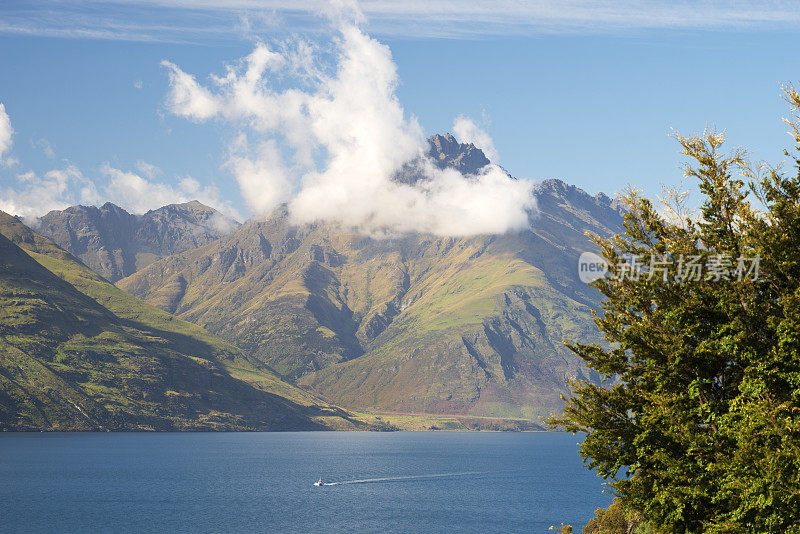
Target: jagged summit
<point>108,206</point>
<point>446,151</point>
<point>115,243</point>
<point>194,206</point>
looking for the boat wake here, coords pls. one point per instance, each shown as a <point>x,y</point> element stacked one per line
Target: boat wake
<point>397,479</point>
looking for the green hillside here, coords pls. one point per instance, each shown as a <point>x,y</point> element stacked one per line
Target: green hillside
<point>412,324</point>
<point>76,353</point>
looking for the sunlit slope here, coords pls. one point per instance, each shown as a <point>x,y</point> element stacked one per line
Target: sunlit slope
<point>482,337</point>
<point>413,323</point>
<point>79,354</point>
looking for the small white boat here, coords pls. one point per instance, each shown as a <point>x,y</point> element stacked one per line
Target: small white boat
<point>319,483</point>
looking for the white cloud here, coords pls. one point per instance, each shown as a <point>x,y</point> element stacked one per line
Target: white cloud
<point>6,132</point>
<point>148,169</point>
<point>447,204</point>
<point>341,128</point>
<point>204,20</point>
<point>187,97</point>
<point>57,189</point>
<point>263,179</point>
<point>138,195</point>
<point>466,131</point>
<point>46,147</point>
<point>33,195</point>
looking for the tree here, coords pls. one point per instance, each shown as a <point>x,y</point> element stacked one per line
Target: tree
<point>616,520</point>
<point>697,422</point>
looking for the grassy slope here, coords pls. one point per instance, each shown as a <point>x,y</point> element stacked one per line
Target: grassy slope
<point>99,363</point>
<point>132,309</point>
<point>438,354</point>
<point>422,324</point>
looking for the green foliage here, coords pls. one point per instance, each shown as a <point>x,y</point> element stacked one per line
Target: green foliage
<point>617,520</point>
<point>76,353</point>
<point>698,424</point>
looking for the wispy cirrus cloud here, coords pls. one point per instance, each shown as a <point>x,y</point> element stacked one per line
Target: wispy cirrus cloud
<point>117,21</point>
<point>204,20</point>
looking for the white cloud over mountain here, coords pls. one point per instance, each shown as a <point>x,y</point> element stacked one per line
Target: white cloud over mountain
<point>33,195</point>
<point>139,194</point>
<point>6,132</point>
<point>338,126</point>
<point>30,194</point>
<point>320,127</point>
<point>467,131</point>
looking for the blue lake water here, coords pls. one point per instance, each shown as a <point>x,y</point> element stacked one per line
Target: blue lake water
<point>262,482</point>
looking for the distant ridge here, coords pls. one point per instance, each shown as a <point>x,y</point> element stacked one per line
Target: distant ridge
<point>115,243</point>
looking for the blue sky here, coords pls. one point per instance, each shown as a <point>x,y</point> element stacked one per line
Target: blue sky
<point>587,93</point>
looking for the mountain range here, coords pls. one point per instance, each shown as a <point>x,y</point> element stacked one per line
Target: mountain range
<point>76,353</point>
<point>115,243</point>
<point>317,327</point>
<point>415,323</point>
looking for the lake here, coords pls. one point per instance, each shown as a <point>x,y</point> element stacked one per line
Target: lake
<point>262,482</point>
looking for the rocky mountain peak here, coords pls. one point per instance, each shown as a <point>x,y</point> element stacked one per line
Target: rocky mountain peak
<point>193,206</point>
<point>563,192</point>
<point>115,243</point>
<point>110,206</point>
<point>407,323</point>
<point>446,151</point>
<point>196,205</point>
